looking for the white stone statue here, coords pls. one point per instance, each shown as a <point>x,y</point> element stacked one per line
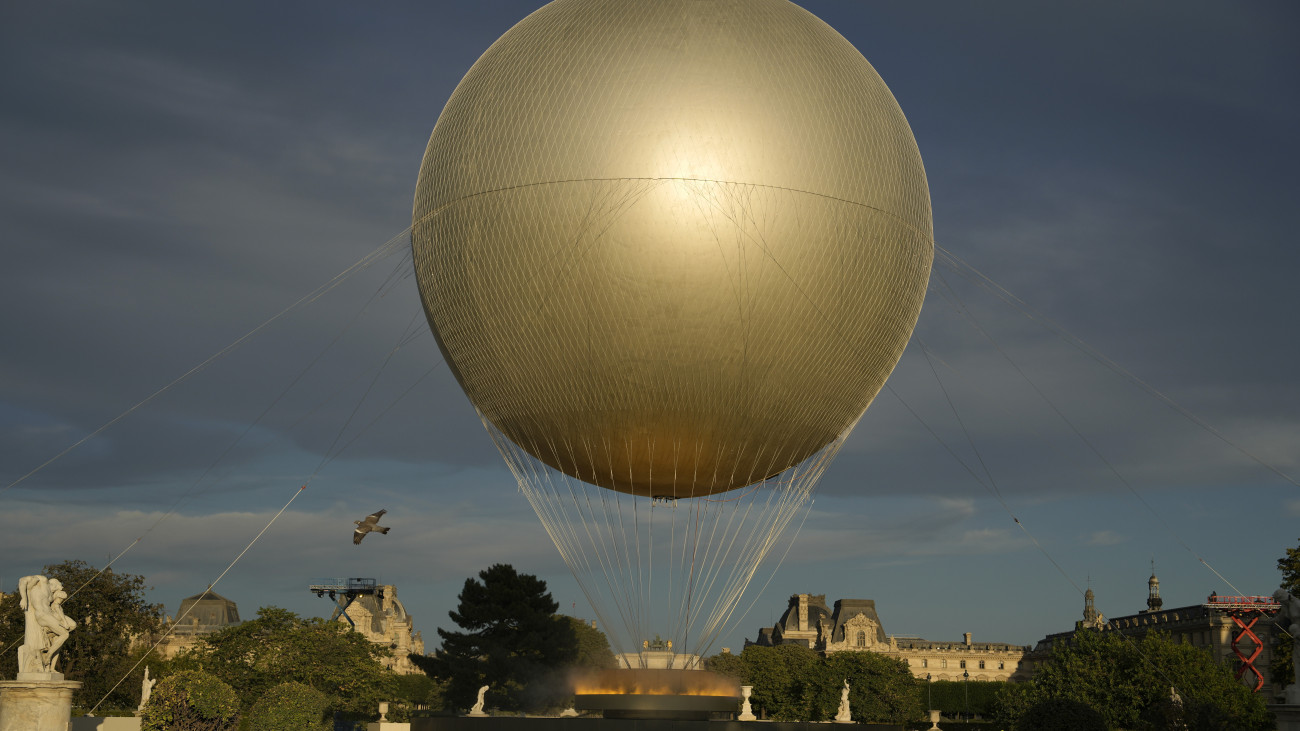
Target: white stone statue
<point>146,689</point>
<point>746,713</point>
<point>46,628</point>
<point>1288,618</point>
<point>477,710</point>
<point>844,716</point>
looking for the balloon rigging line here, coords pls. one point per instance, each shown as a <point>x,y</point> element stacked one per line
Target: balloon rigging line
<point>1031,537</point>
<point>961,308</point>
<point>170,629</point>
<point>970,317</point>
<point>754,599</point>
<point>971,273</point>
<point>77,591</point>
<point>700,521</point>
<point>191,491</point>
<point>1003,293</point>
<point>956,302</point>
<point>364,263</point>
<point>328,458</point>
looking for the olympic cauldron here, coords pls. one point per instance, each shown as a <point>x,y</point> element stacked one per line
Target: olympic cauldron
<point>641,693</point>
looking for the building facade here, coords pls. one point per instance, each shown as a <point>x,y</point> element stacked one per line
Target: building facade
<point>382,618</point>
<point>1236,630</point>
<point>853,625</point>
<point>199,615</point>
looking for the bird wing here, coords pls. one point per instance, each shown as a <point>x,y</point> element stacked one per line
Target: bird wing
<point>357,535</point>
<point>374,517</point>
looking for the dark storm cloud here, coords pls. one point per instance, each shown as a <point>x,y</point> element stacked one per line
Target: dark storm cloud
<point>174,175</point>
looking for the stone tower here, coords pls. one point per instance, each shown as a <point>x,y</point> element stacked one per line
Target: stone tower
<point>1153,591</point>
<point>1091,617</point>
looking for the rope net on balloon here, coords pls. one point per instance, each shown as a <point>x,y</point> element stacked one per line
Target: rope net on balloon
<point>655,565</point>
<point>667,367</point>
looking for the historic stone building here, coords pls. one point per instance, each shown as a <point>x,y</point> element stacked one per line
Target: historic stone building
<point>854,626</point>
<point>382,618</point>
<point>1216,625</point>
<point>199,615</point>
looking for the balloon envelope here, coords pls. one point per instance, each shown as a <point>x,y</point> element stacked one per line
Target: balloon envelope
<point>672,248</point>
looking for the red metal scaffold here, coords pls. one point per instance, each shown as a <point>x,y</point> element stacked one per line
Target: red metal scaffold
<point>1245,612</point>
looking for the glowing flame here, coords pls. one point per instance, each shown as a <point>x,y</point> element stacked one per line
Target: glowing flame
<point>656,682</point>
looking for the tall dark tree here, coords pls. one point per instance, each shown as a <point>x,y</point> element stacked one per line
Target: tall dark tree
<point>113,619</point>
<point>512,642</point>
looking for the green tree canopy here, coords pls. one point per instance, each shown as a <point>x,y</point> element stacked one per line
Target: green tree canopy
<point>279,646</point>
<point>593,646</point>
<point>512,640</point>
<point>794,683</point>
<point>881,689</point>
<point>290,707</point>
<point>1128,682</point>
<point>112,619</point>
<point>190,701</point>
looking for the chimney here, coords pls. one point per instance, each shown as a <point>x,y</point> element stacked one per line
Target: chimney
<point>967,636</point>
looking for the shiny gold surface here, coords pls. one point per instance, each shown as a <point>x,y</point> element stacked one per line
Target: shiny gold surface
<point>672,247</point>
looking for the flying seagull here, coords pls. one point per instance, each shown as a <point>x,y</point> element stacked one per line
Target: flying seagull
<point>371,523</point>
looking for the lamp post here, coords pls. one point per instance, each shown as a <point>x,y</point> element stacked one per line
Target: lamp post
<point>929,694</point>
<point>965,691</point>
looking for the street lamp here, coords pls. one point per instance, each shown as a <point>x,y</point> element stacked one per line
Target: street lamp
<point>965,691</point>
<point>929,693</point>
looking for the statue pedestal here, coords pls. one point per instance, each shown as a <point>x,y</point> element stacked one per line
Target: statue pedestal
<point>36,704</point>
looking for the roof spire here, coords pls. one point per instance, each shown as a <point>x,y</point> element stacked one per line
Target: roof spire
<point>1153,590</point>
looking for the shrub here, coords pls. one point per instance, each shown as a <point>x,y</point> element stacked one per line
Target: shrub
<point>191,700</point>
<point>289,707</point>
<point>1061,714</point>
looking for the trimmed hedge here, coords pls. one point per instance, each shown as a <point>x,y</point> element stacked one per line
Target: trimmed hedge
<point>950,696</point>
<point>191,700</point>
<point>290,707</point>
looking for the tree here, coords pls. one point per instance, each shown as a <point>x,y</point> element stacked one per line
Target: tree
<point>279,646</point>
<point>112,616</point>
<point>1128,682</point>
<point>1282,671</point>
<point>593,647</point>
<point>513,639</point>
<point>881,689</point>
<point>955,697</point>
<point>794,683</point>
<point>190,701</point>
<point>290,707</point>
<point>1061,714</point>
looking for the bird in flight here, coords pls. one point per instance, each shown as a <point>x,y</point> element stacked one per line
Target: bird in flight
<point>371,523</point>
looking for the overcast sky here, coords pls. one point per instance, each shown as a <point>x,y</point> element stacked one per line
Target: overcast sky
<point>174,175</point>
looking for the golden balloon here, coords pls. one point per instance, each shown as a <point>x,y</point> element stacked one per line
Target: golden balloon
<point>672,248</point>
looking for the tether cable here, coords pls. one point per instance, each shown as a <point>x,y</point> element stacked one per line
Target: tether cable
<point>365,262</point>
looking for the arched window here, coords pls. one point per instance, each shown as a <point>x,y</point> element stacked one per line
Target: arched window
<point>862,638</point>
